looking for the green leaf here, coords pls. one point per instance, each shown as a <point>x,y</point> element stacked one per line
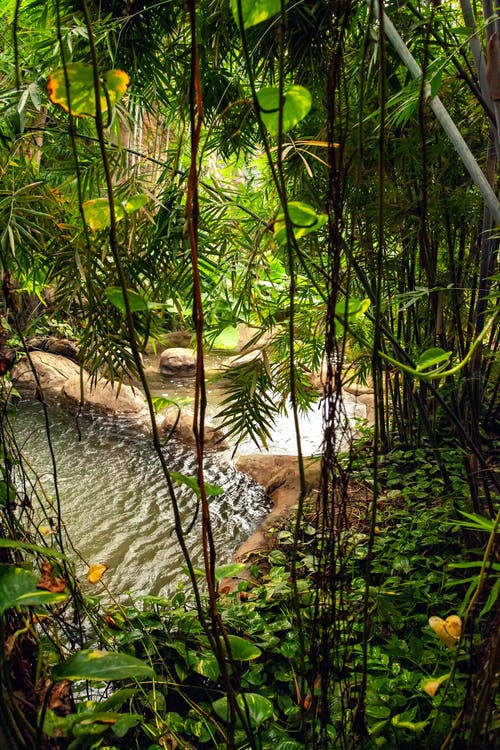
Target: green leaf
<point>115,296</point>
<point>259,708</point>
<point>192,483</point>
<point>241,649</point>
<point>255,11</point>
<point>432,358</point>
<point>297,101</point>
<point>229,571</point>
<point>18,588</point>
<point>303,218</point>
<point>102,666</point>
<point>413,726</point>
<point>206,666</point>
<point>7,493</point>
<point>228,338</point>
<point>135,203</point>
<point>47,551</point>
<point>81,99</point>
<point>97,214</point>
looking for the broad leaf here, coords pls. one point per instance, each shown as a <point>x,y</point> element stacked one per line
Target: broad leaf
<point>255,11</point>
<point>18,588</point>
<point>433,357</point>
<point>303,218</point>
<point>81,97</point>
<point>135,203</point>
<point>136,302</point>
<point>229,571</point>
<point>192,483</point>
<point>241,649</point>
<point>102,666</point>
<point>227,338</point>
<point>296,104</point>
<point>259,708</point>
<point>97,214</point>
<point>206,666</point>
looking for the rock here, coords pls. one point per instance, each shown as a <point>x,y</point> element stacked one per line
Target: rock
<point>279,475</point>
<point>63,347</point>
<point>178,339</point>
<point>60,379</point>
<point>53,371</point>
<point>178,362</point>
<point>181,427</point>
<point>104,396</point>
<point>244,359</point>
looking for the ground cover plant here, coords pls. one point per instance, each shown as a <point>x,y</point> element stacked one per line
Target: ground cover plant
<point>199,165</point>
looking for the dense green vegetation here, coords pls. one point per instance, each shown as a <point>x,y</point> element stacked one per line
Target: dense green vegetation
<point>169,165</point>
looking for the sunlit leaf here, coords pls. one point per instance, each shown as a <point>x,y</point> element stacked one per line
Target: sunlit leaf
<point>98,215</point>
<point>81,97</point>
<point>241,649</point>
<point>96,572</point>
<point>229,571</point>
<point>192,483</point>
<point>101,666</point>
<point>135,203</point>
<point>18,588</point>
<point>303,218</point>
<point>351,309</point>
<point>297,101</point>
<point>259,708</point>
<point>115,296</point>
<point>255,11</point>
<point>228,338</point>
<point>448,631</point>
<point>432,358</point>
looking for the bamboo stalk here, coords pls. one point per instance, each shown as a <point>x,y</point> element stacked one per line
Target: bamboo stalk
<point>441,113</point>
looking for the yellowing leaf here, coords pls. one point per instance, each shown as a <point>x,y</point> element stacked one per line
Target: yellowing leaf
<point>432,684</point>
<point>97,214</point>
<point>96,572</point>
<point>448,631</point>
<point>72,88</point>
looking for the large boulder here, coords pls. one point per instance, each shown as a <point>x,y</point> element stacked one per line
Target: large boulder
<point>180,426</point>
<point>52,372</point>
<point>64,347</point>
<point>178,362</point>
<point>110,398</point>
<point>61,379</point>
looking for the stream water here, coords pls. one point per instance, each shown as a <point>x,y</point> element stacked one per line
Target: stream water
<point>115,503</point>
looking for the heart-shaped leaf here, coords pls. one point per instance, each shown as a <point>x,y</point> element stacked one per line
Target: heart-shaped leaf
<point>18,588</point>
<point>255,11</point>
<point>303,219</point>
<point>79,95</point>
<point>102,666</point>
<point>259,708</point>
<point>297,101</point>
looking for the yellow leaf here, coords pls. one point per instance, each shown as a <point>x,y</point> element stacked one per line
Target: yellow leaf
<point>96,572</point>
<point>448,631</point>
<point>432,685</point>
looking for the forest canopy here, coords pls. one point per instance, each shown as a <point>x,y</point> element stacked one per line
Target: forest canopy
<point>324,173</point>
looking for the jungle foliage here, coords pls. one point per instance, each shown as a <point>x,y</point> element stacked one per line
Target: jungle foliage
<point>193,165</point>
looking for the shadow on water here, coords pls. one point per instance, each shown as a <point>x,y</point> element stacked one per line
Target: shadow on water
<point>115,503</point>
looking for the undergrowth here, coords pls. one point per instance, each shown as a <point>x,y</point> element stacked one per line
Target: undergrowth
<point>147,677</point>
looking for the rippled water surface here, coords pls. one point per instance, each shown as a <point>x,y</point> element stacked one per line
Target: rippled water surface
<point>115,502</point>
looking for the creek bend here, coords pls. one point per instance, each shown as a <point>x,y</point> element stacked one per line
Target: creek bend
<point>115,503</point>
